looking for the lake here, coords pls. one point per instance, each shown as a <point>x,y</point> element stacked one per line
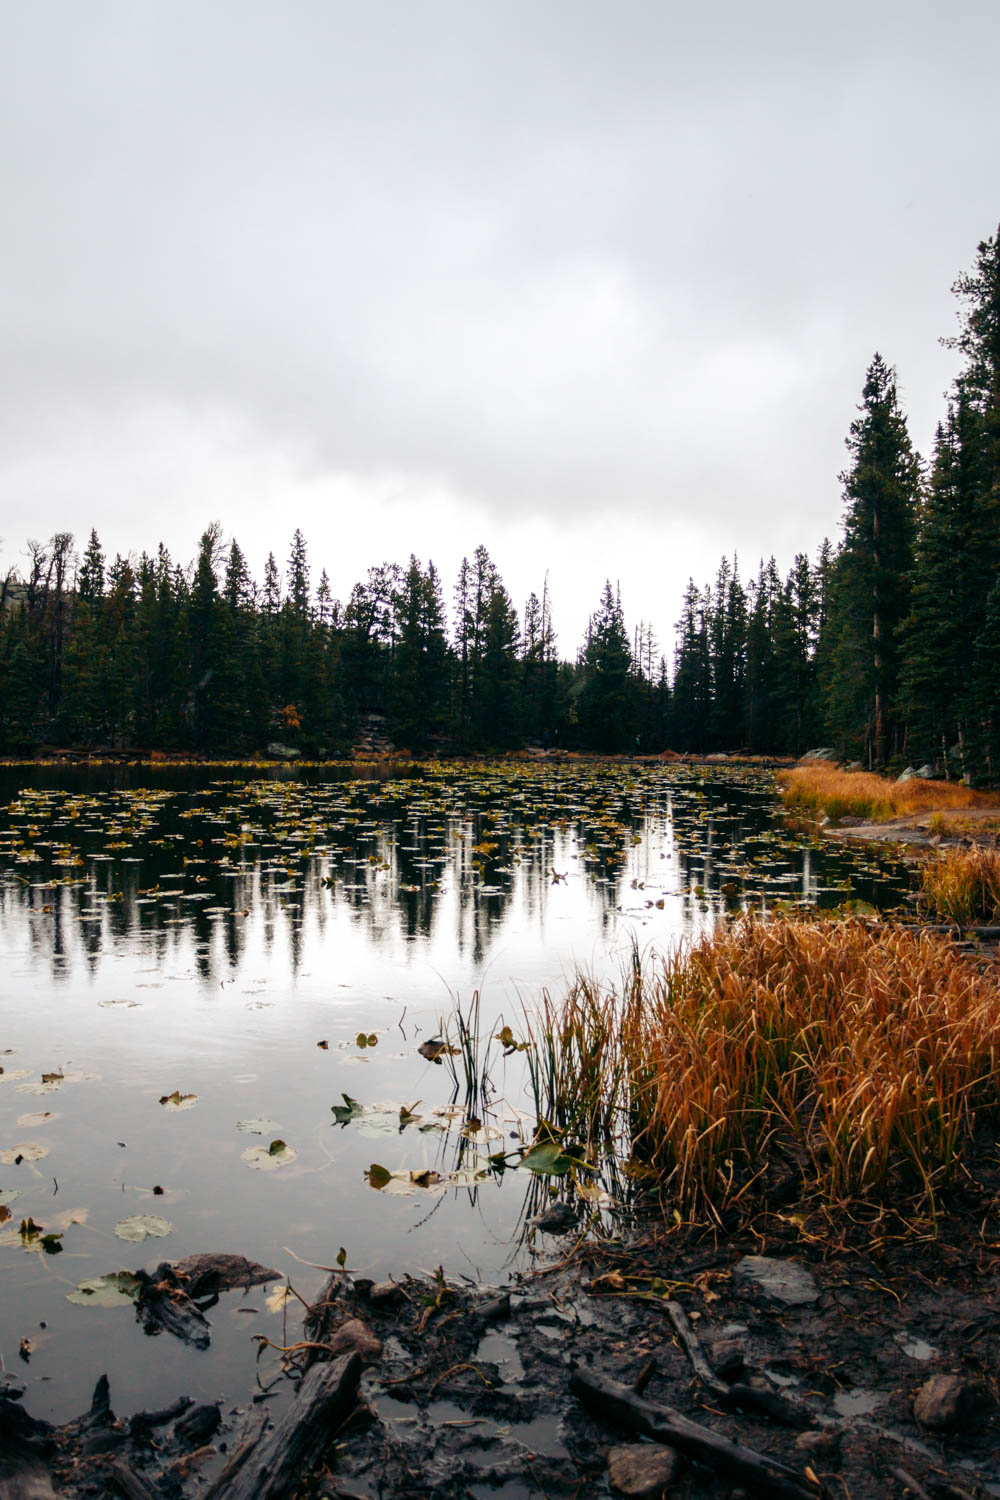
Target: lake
<point>201,964</point>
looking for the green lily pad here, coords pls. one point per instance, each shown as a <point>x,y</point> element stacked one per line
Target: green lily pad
<point>378,1176</point>
<point>268,1158</point>
<point>138,1226</point>
<point>547,1157</point>
<point>118,1289</point>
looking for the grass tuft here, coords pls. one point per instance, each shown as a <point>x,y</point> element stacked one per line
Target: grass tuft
<point>822,787</point>
<point>857,1060</point>
<point>962,885</point>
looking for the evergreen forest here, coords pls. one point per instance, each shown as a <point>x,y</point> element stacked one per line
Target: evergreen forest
<point>885,645</point>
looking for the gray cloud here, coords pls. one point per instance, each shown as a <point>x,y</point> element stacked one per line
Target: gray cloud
<point>559,261</point>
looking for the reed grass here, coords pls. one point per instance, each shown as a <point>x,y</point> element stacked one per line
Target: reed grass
<point>822,787</point>
<point>866,1057</point>
<point>962,885</point>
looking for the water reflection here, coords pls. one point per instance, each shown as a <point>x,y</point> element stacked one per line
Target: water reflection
<point>440,862</point>
<point>234,940</point>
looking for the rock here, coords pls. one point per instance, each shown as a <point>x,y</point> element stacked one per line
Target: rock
<point>781,1281</point>
<point>925,773</point>
<point>559,1219</point>
<point>278,751</point>
<point>825,752</point>
<point>855,765</point>
<point>851,820</point>
<point>354,1337</point>
<point>642,1469</point>
<point>726,1357</point>
<point>819,1442</point>
<point>385,1293</point>
<point>945,1402</point>
<point>907,775</point>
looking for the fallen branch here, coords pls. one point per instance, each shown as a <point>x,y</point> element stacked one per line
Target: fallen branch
<point>620,1403</point>
<point>754,1398</point>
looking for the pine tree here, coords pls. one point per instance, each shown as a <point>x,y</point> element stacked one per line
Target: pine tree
<point>870,599</point>
<point>604,707</point>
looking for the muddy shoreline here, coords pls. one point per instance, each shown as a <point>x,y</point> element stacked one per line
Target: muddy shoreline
<point>864,1357</point>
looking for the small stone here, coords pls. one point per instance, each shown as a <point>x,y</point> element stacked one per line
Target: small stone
<point>782,1281</point>
<point>643,1470</point>
<point>944,1402</point>
<point>384,1294</point>
<point>820,1442</point>
<point>726,1356</point>
<point>354,1337</point>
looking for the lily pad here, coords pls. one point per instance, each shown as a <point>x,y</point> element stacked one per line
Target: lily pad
<point>118,1289</point>
<point>548,1158</point>
<point>177,1101</point>
<point>138,1226</point>
<point>24,1151</point>
<point>268,1158</point>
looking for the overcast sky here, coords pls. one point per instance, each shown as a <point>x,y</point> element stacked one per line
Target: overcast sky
<point>595,284</point>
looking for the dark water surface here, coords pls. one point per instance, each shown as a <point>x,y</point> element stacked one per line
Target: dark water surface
<point>194,935</point>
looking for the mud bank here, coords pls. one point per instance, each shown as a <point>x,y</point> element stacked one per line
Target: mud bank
<point>864,1367</point>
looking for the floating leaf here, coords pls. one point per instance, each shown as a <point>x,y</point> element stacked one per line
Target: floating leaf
<point>178,1101</point>
<point>548,1158</point>
<point>509,1042</point>
<point>8,1195</point>
<point>427,1178</point>
<point>348,1111</point>
<point>118,1289</point>
<point>378,1176</point>
<point>276,1299</point>
<point>138,1226</point>
<point>41,1117</point>
<point>366,1039</point>
<point>25,1151</point>
<point>407,1117</point>
<point>436,1049</point>
<point>267,1158</point>
<point>257,1127</point>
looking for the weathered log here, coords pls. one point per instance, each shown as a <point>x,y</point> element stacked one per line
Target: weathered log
<point>127,1482</point>
<point>275,1465</point>
<point>163,1303</point>
<point>23,1439</point>
<point>141,1423</point>
<point>620,1403</point>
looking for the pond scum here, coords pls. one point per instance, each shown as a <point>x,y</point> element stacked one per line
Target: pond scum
<point>853,1062</point>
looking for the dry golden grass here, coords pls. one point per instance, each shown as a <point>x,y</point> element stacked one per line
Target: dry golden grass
<point>822,787</point>
<point>864,1057</point>
<point>962,885</point>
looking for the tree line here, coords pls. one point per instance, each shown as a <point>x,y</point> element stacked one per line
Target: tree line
<point>886,644</point>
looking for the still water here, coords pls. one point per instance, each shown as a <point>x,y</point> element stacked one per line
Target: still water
<point>197,965</point>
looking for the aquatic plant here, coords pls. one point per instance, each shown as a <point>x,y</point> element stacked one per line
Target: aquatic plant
<point>962,885</point>
<point>852,1062</point>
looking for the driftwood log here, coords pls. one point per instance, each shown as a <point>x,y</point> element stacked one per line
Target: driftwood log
<point>268,1465</point>
<point>619,1403</point>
